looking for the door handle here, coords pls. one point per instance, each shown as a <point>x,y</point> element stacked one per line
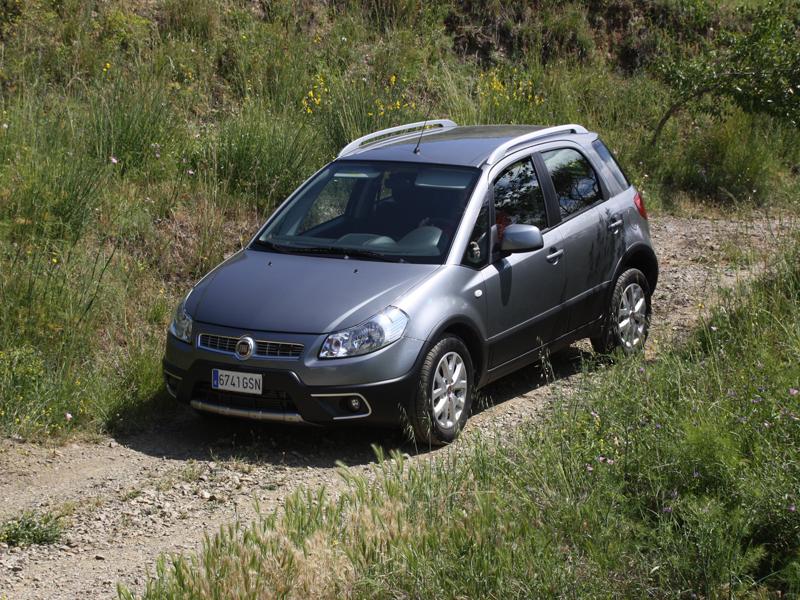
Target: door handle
<point>554,255</point>
<point>615,225</point>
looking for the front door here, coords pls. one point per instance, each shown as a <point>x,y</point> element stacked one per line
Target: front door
<point>524,290</point>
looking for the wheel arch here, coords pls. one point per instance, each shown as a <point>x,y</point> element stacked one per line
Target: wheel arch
<point>468,333</point>
<point>639,256</point>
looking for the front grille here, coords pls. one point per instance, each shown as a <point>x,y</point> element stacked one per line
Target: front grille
<point>269,400</point>
<point>279,349</point>
<point>218,342</point>
<point>264,349</point>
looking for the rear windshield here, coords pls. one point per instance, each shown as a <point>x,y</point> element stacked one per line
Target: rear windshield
<point>382,211</point>
<point>611,163</point>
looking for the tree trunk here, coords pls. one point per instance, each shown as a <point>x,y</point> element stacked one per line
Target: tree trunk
<point>673,109</point>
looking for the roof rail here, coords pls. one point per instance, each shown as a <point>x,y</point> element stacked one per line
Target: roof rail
<point>505,148</point>
<point>423,125</point>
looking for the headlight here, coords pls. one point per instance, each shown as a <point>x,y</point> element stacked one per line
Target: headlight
<point>374,333</point>
<point>181,326</point>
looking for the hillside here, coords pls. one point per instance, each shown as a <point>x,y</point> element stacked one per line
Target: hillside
<point>144,141</point>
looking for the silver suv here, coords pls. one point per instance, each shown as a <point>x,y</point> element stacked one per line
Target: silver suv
<point>424,262</point>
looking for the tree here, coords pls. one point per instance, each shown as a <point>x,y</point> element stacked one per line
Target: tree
<point>756,66</point>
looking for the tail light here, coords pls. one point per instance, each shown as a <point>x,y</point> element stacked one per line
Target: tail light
<point>637,200</point>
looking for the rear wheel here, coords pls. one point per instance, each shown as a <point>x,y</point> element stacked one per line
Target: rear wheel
<point>627,319</point>
<point>443,401</point>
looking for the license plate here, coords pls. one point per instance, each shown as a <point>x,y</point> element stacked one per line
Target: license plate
<point>232,381</point>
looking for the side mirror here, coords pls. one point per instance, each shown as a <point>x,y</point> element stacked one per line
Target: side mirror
<point>521,238</point>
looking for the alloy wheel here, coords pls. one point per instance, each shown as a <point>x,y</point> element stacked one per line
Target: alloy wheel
<point>449,390</point>
<point>632,317</point>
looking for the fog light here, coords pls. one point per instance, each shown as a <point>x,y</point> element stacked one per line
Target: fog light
<point>354,403</point>
<point>171,383</point>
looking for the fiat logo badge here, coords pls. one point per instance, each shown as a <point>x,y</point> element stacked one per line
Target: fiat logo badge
<point>244,348</point>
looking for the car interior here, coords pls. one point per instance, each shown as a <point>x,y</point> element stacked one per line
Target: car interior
<point>404,210</point>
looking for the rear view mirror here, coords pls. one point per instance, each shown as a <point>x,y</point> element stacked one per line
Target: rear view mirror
<point>521,238</point>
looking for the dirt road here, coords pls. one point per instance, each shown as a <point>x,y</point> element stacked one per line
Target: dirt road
<point>131,498</point>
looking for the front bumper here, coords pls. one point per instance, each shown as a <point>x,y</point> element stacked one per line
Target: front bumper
<point>305,390</point>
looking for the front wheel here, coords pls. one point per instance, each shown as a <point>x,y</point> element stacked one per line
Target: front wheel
<point>443,400</point>
<point>627,319</point>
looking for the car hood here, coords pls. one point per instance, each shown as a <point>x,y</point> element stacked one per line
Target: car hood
<point>263,291</point>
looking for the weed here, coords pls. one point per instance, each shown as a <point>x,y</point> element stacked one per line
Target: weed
<point>131,494</point>
<point>262,155</point>
<point>31,528</point>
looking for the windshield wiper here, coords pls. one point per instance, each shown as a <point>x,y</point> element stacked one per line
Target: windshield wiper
<point>273,246</point>
<point>336,250</point>
<point>345,252</point>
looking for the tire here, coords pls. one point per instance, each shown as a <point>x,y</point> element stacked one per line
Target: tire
<point>617,332</point>
<point>437,428</point>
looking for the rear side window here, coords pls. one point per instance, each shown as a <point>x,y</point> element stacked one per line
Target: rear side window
<point>605,155</point>
<point>574,180</point>
<point>518,197</point>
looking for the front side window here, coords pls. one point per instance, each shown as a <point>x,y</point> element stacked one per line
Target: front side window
<point>374,210</point>
<point>518,197</point>
<point>574,180</point>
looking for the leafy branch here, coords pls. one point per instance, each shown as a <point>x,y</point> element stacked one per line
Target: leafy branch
<point>757,67</point>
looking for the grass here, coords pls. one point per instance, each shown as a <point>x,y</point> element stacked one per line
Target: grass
<point>673,478</point>
<point>31,528</point>
<point>141,143</point>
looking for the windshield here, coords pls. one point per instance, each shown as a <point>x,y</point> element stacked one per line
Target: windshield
<point>381,211</point>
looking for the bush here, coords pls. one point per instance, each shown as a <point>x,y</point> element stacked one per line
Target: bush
<point>31,528</point>
<point>730,163</point>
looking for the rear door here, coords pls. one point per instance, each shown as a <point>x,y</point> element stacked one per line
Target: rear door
<point>524,290</point>
<point>589,227</point>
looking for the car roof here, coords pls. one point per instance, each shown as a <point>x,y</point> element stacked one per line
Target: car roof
<point>468,146</point>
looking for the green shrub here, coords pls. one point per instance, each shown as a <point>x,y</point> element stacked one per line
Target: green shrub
<point>31,528</point>
<point>194,18</point>
<point>730,163</point>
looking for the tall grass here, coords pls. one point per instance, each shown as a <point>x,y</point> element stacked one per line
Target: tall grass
<point>130,123</point>
<point>734,163</point>
<point>263,155</point>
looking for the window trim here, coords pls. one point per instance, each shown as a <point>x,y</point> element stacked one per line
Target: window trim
<point>605,194</point>
<point>549,224</point>
<point>616,162</point>
<point>494,174</point>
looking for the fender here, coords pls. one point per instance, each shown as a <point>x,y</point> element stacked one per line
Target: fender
<point>641,256</point>
<point>464,327</point>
